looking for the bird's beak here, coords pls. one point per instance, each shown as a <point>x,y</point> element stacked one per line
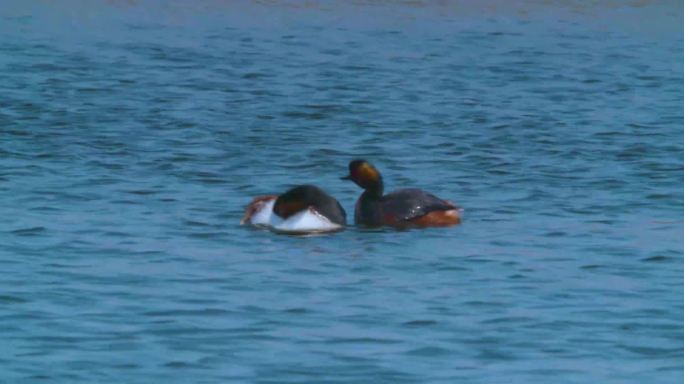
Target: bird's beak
<point>348,177</point>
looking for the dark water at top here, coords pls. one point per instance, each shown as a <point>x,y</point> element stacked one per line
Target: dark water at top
<point>133,133</point>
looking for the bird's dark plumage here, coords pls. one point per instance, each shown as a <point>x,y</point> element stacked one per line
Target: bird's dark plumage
<point>401,208</point>
<point>304,196</point>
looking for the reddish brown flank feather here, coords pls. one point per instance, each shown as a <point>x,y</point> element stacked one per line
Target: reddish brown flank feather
<point>254,206</point>
<point>390,219</point>
<point>286,209</point>
<point>437,219</point>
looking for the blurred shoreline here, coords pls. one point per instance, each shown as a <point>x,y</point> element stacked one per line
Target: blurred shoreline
<point>640,16</point>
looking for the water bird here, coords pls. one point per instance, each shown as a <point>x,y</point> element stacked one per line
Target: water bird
<point>303,209</point>
<point>404,208</point>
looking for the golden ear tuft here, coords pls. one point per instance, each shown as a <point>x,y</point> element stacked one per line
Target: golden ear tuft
<point>368,174</point>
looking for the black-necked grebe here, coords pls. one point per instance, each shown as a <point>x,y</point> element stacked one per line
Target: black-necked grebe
<point>402,208</point>
<point>302,209</point>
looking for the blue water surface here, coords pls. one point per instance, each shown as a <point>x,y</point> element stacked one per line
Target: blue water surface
<point>132,134</point>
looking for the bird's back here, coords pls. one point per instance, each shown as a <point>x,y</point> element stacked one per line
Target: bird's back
<point>408,204</point>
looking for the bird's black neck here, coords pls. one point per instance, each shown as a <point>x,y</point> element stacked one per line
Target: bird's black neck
<point>375,190</point>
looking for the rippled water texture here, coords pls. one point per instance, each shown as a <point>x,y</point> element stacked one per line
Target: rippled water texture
<point>132,134</point>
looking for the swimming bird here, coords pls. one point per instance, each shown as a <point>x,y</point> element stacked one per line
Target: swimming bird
<point>400,209</point>
<point>300,210</point>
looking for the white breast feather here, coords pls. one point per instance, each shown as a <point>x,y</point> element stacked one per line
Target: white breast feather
<point>307,220</point>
